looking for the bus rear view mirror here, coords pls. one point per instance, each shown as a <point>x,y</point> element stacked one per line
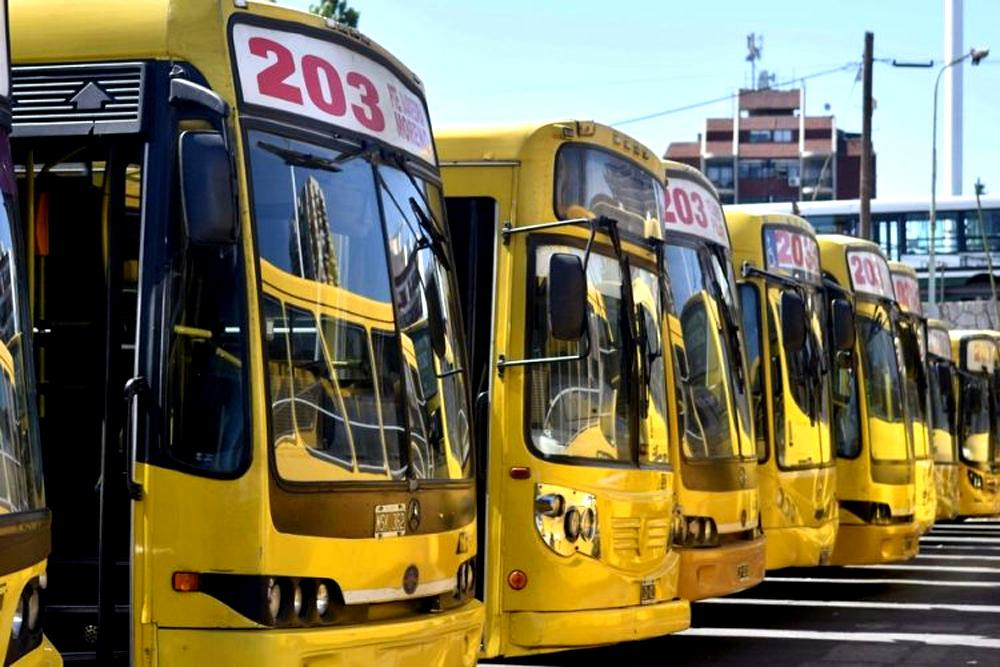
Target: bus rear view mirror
<point>793,321</point>
<point>842,321</point>
<point>207,196</point>
<point>567,297</point>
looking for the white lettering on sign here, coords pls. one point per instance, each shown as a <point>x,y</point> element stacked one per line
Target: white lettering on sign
<point>980,355</point>
<point>329,83</point>
<point>792,251</point>
<point>870,273</point>
<point>907,293</point>
<point>689,208</point>
<point>939,343</point>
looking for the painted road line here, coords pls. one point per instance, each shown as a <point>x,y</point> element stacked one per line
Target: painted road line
<point>926,568</point>
<point>907,582</point>
<point>860,604</point>
<point>957,547</point>
<point>955,557</point>
<point>931,639</point>
<point>948,539</point>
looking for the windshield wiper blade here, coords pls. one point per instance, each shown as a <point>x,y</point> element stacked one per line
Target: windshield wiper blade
<point>299,159</point>
<point>434,239</point>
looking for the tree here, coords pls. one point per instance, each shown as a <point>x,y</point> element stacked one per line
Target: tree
<point>338,10</point>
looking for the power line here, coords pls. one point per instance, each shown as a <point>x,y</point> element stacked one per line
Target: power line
<point>687,107</point>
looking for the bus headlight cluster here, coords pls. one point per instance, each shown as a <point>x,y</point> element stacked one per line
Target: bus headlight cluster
<point>695,531</point>
<point>295,602</point>
<point>881,513</point>
<point>975,479</point>
<point>567,520</point>
<point>26,622</point>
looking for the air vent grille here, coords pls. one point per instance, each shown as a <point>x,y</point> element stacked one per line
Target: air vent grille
<point>99,98</point>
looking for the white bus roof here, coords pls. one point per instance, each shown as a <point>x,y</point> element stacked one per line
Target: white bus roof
<point>848,206</point>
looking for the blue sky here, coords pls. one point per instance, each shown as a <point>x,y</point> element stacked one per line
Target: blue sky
<point>526,60</point>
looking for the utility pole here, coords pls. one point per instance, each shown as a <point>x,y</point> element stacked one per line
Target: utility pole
<point>980,188</point>
<point>865,188</point>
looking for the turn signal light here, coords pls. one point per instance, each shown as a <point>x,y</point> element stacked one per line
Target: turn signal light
<point>517,579</point>
<point>186,582</point>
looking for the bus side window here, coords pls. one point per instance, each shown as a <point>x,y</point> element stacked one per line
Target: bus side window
<point>750,308</point>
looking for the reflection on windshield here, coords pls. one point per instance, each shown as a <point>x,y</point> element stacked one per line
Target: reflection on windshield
<point>883,389</point>
<point>941,399</point>
<point>20,458</point>
<point>654,438</point>
<point>581,408</point>
<point>361,321</point>
<point>975,420</point>
<point>708,391</point>
<point>806,374</point>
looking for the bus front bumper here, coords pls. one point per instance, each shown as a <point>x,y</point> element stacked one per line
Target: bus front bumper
<point>44,655</point>
<point>869,544</point>
<point>800,546</point>
<point>450,638</point>
<point>707,573</point>
<point>536,631</point>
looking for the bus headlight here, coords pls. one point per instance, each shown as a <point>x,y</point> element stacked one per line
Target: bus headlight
<point>296,598</point>
<point>17,622</point>
<point>975,479</point>
<point>571,524</point>
<point>696,531</point>
<point>273,599</point>
<point>34,609</point>
<point>588,524</point>
<point>322,599</point>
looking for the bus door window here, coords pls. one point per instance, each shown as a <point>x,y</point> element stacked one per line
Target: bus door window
<point>581,408</point>
<point>883,386</point>
<point>752,335</point>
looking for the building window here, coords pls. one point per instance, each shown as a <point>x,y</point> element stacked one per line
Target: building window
<point>721,175</point>
<point>974,235</point>
<point>918,232</point>
<point>760,136</point>
<point>782,136</point>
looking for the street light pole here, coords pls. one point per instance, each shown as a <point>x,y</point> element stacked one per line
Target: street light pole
<point>976,55</point>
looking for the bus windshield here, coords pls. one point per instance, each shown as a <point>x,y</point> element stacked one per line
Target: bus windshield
<point>20,454</point>
<point>975,421</point>
<point>883,387</point>
<point>916,396</point>
<point>361,322</point>
<point>942,408</point>
<point>701,291</point>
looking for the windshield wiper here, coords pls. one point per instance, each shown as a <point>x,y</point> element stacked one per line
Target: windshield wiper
<point>434,239</point>
<point>299,159</point>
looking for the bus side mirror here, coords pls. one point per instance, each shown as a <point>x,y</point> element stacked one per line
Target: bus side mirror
<point>207,195</point>
<point>567,297</point>
<point>793,321</point>
<point>842,320</point>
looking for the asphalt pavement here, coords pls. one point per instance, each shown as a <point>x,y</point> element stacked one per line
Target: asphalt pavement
<point>941,608</point>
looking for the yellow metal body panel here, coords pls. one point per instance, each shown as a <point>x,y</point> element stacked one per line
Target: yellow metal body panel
<point>721,570</point>
<point>713,571</point>
<point>798,505</point>
<point>946,487</point>
<point>442,641</point>
<point>858,478</point>
<point>198,524</point>
<point>565,596</point>
<point>45,655</point>
<point>11,587</point>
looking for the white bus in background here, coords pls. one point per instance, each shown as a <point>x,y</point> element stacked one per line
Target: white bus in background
<point>902,228</point>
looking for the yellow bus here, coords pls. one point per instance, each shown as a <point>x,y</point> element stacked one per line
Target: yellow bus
<point>975,355</point>
<point>785,319</point>
<point>943,412</point>
<point>572,392</point>
<point>238,225</point>
<point>911,323</point>
<point>718,537</point>
<point>875,465</point>
<point>25,518</point>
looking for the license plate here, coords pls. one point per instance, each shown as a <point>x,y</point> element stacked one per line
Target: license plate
<point>390,520</point>
<point>647,592</point>
<point>742,571</point>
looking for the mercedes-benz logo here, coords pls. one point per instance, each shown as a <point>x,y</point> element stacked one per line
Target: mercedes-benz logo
<point>742,477</point>
<point>413,515</point>
<point>411,578</point>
